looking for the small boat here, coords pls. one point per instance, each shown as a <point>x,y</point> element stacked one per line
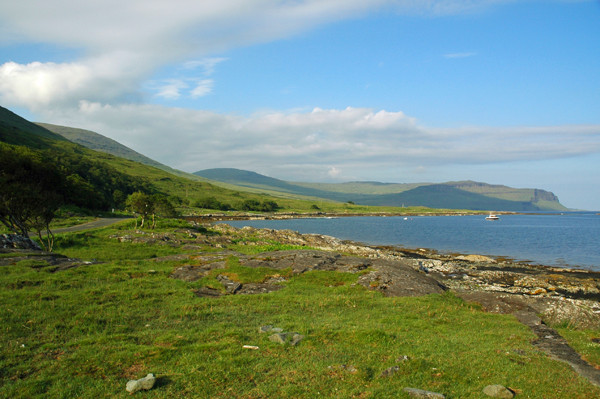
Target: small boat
<point>492,217</point>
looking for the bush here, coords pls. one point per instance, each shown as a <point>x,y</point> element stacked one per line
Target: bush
<point>212,203</point>
<point>255,205</point>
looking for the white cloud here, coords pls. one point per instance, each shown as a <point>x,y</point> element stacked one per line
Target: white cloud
<point>38,86</point>
<point>122,43</point>
<point>170,88</point>
<point>333,172</point>
<point>304,145</point>
<point>203,87</point>
<point>207,64</point>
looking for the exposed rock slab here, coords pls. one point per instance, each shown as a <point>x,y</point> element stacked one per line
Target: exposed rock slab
<point>390,277</point>
<point>397,278</point>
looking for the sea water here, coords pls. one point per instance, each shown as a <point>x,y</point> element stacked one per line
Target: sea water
<point>570,239</point>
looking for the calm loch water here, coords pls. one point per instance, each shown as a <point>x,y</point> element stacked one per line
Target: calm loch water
<point>571,239</point>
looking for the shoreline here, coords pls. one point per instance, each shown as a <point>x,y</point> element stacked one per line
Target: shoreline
<point>432,251</point>
<point>221,217</point>
<point>446,264</point>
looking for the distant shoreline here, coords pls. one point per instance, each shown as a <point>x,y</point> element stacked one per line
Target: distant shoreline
<point>221,217</point>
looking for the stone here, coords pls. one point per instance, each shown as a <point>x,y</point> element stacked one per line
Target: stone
<point>350,368</point>
<point>143,384</point>
<point>498,391</point>
<point>389,371</point>
<point>279,338</point>
<point>419,393</point>
<point>296,338</point>
<point>476,258</point>
<point>258,288</point>
<point>264,329</point>
<point>230,286</point>
<point>292,338</point>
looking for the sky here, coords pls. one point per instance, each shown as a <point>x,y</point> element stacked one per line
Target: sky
<point>498,91</point>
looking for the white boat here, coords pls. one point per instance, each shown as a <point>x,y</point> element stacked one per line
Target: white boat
<point>492,217</point>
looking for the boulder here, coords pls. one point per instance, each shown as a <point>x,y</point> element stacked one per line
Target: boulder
<point>15,241</point>
<point>498,391</point>
<point>143,384</point>
<point>476,258</point>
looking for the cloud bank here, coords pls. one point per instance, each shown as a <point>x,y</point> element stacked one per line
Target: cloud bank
<point>322,144</point>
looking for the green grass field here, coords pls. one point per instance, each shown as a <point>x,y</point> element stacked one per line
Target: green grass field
<point>84,332</point>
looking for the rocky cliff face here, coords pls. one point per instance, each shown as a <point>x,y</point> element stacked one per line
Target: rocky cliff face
<point>542,195</point>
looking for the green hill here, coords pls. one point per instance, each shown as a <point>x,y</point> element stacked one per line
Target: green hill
<point>18,131</point>
<point>98,142</point>
<point>261,183</point>
<point>100,181</point>
<point>452,195</point>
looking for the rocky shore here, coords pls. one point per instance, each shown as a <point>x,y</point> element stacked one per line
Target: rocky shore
<point>536,295</point>
<point>500,285</point>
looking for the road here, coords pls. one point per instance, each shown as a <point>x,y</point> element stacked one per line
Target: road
<point>94,224</point>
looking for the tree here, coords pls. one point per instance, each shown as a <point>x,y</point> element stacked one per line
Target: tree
<point>211,203</point>
<point>42,217</point>
<point>255,205</point>
<point>162,207</point>
<point>29,192</point>
<point>141,204</point>
<point>147,205</point>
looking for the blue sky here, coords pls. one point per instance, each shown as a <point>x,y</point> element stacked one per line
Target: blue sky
<point>499,91</point>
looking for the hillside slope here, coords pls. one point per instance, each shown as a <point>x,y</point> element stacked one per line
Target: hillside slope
<point>97,142</point>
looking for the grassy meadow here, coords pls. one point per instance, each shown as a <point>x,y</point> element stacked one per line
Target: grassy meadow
<point>84,332</point>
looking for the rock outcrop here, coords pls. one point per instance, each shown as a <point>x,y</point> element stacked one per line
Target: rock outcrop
<point>15,241</point>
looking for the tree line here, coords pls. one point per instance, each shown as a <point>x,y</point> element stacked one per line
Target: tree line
<point>35,183</point>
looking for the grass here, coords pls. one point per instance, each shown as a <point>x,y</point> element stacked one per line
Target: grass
<point>585,341</point>
<point>84,332</point>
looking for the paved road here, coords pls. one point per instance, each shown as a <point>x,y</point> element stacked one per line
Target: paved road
<point>94,224</point>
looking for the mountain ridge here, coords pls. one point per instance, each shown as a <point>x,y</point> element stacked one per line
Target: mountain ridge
<point>465,194</point>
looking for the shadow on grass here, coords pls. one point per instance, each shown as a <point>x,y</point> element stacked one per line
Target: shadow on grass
<point>162,381</point>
